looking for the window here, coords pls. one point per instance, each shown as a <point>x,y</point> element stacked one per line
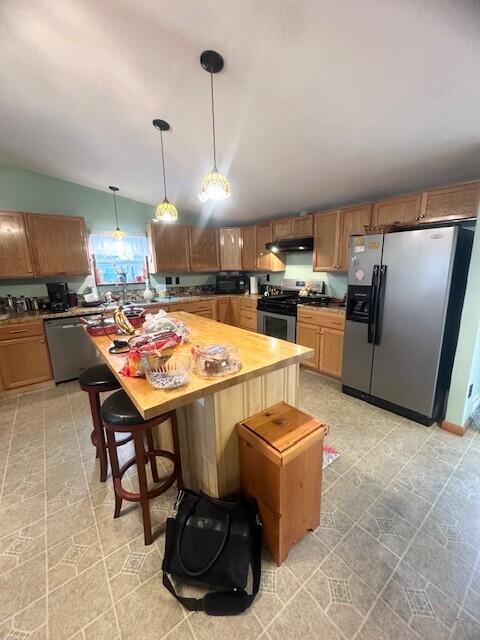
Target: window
<point>119,261</point>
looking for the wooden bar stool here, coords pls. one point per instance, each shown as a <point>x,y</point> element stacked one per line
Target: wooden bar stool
<point>94,381</point>
<point>119,415</point>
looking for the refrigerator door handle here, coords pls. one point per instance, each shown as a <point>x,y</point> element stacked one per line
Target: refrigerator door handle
<point>379,304</point>
<point>372,304</point>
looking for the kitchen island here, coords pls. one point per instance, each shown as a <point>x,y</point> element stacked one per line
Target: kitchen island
<point>209,409</point>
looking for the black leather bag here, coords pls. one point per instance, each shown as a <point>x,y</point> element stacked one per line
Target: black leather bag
<point>213,543</point>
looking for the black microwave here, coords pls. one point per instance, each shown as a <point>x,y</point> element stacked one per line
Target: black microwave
<point>231,283</point>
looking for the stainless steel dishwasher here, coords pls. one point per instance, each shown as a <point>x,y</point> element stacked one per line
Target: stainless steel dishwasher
<point>71,350</point>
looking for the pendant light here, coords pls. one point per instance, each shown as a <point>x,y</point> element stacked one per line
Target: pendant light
<point>118,234</point>
<point>215,185</point>
<point>165,211</point>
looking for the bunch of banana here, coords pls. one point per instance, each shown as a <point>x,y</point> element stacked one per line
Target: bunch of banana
<point>122,322</point>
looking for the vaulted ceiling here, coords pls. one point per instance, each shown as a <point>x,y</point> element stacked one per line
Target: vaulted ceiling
<point>321,102</point>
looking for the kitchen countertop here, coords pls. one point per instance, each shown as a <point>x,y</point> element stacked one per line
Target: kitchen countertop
<point>16,318</point>
<point>331,308</point>
<point>259,355</point>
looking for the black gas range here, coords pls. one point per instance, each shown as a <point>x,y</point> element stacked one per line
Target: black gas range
<point>277,313</point>
<point>286,303</point>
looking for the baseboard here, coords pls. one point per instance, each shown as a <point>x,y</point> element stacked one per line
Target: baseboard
<point>31,387</point>
<point>454,428</point>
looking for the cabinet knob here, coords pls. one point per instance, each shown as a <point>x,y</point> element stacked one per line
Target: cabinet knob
<point>417,218</point>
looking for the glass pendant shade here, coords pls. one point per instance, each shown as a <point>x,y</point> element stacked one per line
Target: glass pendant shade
<point>215,186</point>
<point>166,212</point>
<point>118,234</point>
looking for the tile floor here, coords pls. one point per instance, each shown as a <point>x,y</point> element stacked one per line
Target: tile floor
<point>396,554</point>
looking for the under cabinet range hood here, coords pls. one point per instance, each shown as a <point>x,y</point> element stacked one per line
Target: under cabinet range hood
<point>290,245</point>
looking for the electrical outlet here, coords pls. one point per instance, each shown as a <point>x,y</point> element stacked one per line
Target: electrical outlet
<point>470,391</point>
<point>168,280</point>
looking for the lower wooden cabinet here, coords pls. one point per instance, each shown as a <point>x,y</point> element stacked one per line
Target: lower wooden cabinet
<point>24,360</point>
<point>323,332</point>
<point>206,309</point>
<point>223,311</point>
<point>248,314</point>
<point>308,335</point>
<point>234,311</point>
<point>331,352</point>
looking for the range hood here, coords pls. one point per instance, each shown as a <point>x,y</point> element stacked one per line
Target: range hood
<point>290,245</point>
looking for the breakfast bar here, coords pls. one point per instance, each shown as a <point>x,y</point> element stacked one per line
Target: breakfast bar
<point>209,408</point>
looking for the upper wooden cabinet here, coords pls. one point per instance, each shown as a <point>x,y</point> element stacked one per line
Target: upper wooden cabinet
<point>15,259</point>
<point>264,235</point>
<point>266,260</point>
<point>249,248</point>
<point>394,210</point>
<point>352,222</point>
<point>58,245</point>
<point>302,226</point>
<point>450,203</point>
<point>204,254</point>
<point>325,241</point>
<point>231,249</point>
<point>298,227</point>
<point>169,247</point>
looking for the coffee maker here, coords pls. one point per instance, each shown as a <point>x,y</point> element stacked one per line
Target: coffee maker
<point>58,296</point>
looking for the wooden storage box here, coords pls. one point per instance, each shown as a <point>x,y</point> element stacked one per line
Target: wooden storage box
<point>281,456</point>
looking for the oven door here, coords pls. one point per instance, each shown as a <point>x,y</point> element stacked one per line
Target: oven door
<point>276,325</point>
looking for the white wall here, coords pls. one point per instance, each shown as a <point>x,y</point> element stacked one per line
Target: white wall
<point>466,368</point>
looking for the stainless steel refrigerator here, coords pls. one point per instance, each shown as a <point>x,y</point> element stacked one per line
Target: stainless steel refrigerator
<point>404,302</point>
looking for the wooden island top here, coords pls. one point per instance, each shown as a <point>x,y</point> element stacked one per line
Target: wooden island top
<point>208,410</point>
<point>259,354</point>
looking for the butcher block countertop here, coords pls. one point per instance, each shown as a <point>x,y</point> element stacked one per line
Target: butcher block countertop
<point>259,355</point>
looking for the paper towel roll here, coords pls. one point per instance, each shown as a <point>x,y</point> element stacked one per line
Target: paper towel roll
<point>253,284</point>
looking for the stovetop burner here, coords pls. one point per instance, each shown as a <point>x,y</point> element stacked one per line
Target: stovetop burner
<point>285,303</point>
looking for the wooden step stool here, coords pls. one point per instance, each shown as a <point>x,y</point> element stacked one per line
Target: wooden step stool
<point>281,456</point>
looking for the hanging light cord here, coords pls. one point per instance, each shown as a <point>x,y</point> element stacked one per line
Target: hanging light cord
<point>213,124</point>
<point>163,166</point>
<point>115,205</point>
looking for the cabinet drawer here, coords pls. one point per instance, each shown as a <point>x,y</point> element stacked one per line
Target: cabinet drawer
<point>248,320</point>
<point>21,330</point>
<point>249,305</point>
<point>324,319</point>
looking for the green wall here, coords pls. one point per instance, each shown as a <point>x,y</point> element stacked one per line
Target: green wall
<point>22,190</point>
<point>466,369</point>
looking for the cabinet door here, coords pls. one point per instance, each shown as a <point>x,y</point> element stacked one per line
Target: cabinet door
<point>231,249</point>
<point>249,248</point>
<point>352,222</point>
<point>235,312</point>
<point>204,254</point>
<point>264,235</point>
<point>223,311</point>
<point>403,209</point>
<point>58,244</point>
<point>331,351</point>
<point>281,229</point>
<point>169,248</point>
<point>24,361</point>
<point>15,260</point>
<point>325,241</point>
<point>302,227</point>
<point>451,203</point>
<point>308,335</point>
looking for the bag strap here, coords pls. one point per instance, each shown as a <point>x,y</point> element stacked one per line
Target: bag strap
<point>215,556</point>
<point>224,603</point>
